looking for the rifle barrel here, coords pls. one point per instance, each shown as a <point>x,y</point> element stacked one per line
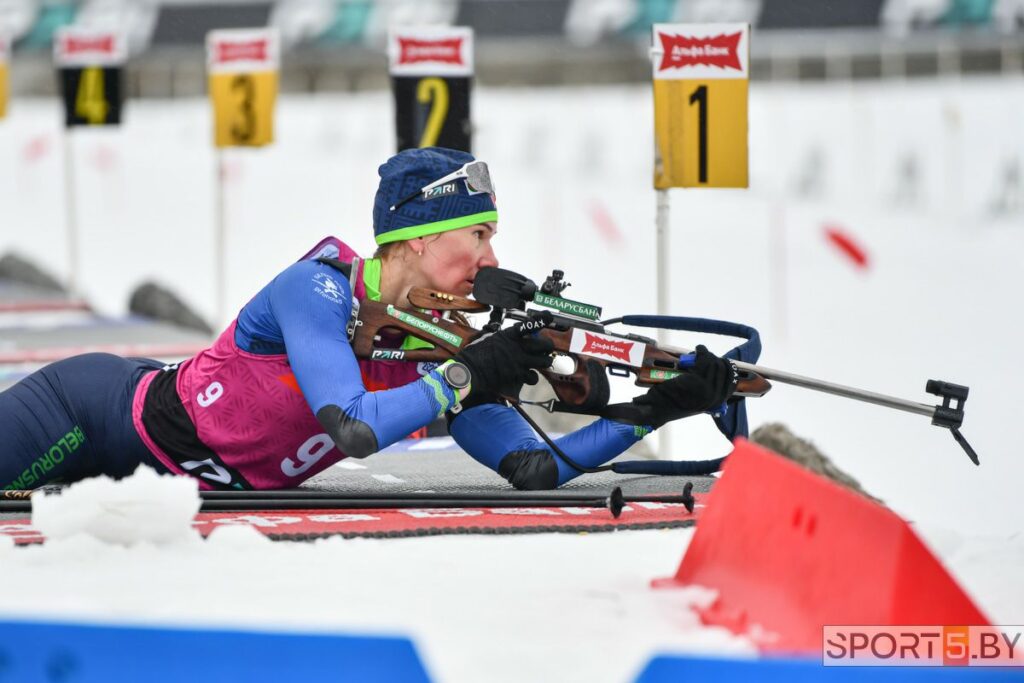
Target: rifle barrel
<point>814,384</point>
<point>840,390</point>
<point>827,387</point>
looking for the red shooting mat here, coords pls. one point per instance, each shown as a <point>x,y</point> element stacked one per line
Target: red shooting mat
<point>397,523</point>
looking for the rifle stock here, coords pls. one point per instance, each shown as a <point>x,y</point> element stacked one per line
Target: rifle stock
<point>375,319</point>
<point>580,390</point>
<point>585,389</point>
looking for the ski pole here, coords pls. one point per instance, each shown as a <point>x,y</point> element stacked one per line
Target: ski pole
<point>300,499</point>
<point>613,502</point>
<point>610,503</point>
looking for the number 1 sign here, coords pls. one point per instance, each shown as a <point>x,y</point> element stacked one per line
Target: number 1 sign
<point>701,72</point>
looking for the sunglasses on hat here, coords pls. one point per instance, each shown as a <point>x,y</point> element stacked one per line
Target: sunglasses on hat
<point>475,173</point>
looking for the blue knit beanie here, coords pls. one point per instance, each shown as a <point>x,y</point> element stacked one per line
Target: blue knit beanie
<point>406,173</point>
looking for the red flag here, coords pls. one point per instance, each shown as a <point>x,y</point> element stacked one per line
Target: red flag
<point>847,245</point>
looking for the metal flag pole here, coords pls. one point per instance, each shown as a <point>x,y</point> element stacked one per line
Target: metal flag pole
<point>661,247</point>
<point>778,276</point>
<point>661,220</point>
<point>70,213</point>
<point>220,240</point>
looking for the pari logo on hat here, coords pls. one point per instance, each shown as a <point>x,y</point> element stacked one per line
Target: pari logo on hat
<point>440,191</point>
<point>411,203</point>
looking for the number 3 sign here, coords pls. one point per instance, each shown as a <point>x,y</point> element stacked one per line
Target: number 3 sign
<point>701,72</point>
<point>242,66</point>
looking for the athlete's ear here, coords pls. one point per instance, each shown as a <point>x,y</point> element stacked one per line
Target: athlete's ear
<point>416,246</point>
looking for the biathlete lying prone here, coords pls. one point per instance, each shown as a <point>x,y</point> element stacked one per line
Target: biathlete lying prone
<point>280,395</point>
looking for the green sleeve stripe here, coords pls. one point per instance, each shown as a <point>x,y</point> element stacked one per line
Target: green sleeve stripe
<point>414,231</point>
<point>442,400</point>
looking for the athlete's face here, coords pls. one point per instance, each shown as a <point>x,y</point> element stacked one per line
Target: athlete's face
<point>451,260</point>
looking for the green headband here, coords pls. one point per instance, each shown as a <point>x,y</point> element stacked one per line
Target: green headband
<point>413,231</point>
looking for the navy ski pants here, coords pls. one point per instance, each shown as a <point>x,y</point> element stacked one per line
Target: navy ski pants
<point>72,419</point>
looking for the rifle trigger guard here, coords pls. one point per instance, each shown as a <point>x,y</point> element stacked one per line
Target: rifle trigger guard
<point>548,405</point>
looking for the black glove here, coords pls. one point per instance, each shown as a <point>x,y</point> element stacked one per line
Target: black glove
<point>705,386</point>
<point>502,362</point>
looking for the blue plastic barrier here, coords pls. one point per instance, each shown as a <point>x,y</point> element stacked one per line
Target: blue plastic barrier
<point>673,669</point>
<point>36,651</point>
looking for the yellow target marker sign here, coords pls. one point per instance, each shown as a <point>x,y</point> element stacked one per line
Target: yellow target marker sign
<point>5,51</point>
<point>243,71</point>
<point>701,74</point>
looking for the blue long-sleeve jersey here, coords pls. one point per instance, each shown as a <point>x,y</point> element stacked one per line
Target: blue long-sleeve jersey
<point>298,314</point>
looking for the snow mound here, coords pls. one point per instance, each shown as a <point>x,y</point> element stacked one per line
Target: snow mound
<point>144,507</point>
<point>234,537</point>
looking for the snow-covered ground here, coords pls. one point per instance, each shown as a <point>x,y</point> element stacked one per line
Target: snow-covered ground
<point>921,174</point>
<point>550,607</point>
<point>916,172</point>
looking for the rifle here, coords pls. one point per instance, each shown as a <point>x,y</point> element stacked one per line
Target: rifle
<point>586,352</point>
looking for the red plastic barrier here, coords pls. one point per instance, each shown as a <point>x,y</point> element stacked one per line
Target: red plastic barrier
<point>791,551</point>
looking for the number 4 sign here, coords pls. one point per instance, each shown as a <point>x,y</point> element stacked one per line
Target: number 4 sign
<point>90,62</point>
<point>701,72</point>
<point>242,66</point>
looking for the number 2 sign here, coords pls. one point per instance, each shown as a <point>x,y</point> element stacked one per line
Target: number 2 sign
<point>431,72</point>
<point>701,72</point>
<point>242,66</point>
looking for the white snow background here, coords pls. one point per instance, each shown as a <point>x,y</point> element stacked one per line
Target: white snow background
<point>920,173</point>
<point>547,607</point>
